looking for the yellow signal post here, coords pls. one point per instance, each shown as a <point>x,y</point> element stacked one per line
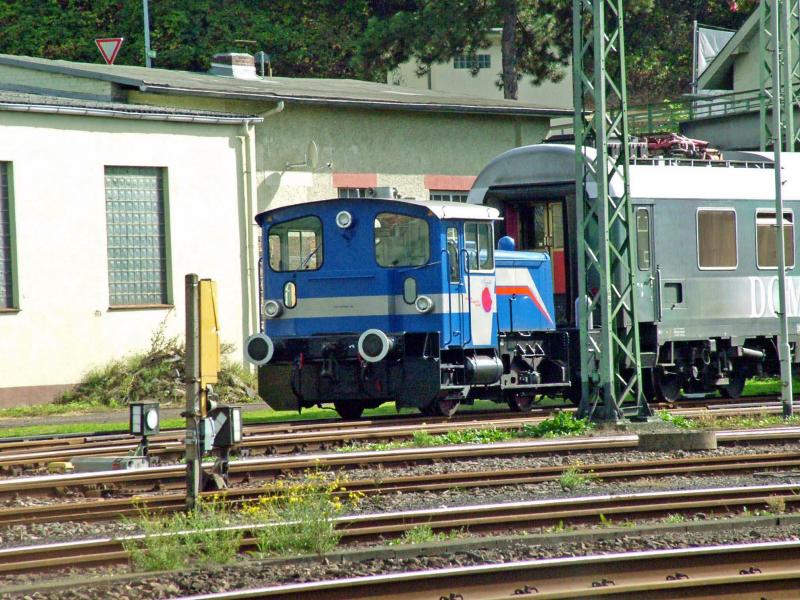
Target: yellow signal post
<point>209,341</point>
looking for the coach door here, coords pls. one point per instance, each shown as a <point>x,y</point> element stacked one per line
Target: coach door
<point>542,228</point>
<point>646,269</point>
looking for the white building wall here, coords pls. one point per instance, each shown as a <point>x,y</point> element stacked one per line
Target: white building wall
<point>64,326</point>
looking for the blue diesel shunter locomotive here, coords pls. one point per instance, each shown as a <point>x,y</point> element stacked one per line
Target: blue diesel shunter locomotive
<point>369,301</point>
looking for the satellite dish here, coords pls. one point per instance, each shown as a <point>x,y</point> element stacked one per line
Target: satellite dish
<point>312,155</point>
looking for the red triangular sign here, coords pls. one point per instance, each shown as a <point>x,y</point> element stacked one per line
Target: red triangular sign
<point>109,48</point>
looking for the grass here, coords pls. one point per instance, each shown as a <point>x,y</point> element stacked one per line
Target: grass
<point>199,537</point>
<point>712,421</point>
<point>559,425</point>
<point>424,534</point>
<point>573,478</point>
<point>299,515</point>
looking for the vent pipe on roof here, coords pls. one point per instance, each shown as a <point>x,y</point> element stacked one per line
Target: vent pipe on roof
<point>234,64</point>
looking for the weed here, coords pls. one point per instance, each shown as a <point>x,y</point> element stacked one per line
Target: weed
<point>573,478</point>
<point>558,528</point>
<point>776,505</point>
<point>424,534</point>
<point>560,424</point>
<point>674,518</point>
<point>298,516</point>
<point>678,421</point>
<point>203,536</point>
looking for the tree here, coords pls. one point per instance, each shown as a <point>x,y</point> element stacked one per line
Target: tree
<point>536,36</point>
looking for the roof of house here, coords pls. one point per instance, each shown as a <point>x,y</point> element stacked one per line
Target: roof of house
<point>326,92</point>
<point>719,66</point>
<point>41,103</point>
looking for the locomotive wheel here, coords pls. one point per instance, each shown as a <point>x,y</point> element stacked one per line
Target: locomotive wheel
<point>735,388</point>
<point>349,409</point>
<point>441,407</point>
<point>667,386</point>
<point>520,402</point>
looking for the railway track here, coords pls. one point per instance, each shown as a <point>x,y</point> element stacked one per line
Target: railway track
<point>488,518</point>
<point>96,510</point>
<point>18,455</point>
<point>714,572</point>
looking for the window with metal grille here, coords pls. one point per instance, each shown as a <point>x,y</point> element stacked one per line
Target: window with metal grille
<point>465,61</point>
<point>716,238</point>
<point>766,242</point>
<point>448,196</point>
<point>356,192</point>
<point>136,225</point>
<point>6,276</point>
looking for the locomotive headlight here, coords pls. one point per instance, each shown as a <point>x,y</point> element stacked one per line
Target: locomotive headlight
<point>344,219</point>
<point>259,349</point>
<point>424,304</point>
<point>272,309</point>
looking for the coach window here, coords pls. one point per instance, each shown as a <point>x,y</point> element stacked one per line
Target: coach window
<point>716,238</point>
<point>296,245</point>
<point>643,238</point>
<point>766,248</point>
<point>401,240</point>
<point>478,241</point>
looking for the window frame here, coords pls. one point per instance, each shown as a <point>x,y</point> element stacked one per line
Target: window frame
<point>450,194</point>
<point>361,192</point>
<point>165,207</point>
<point>465,61</point>
<point>322,243</point>
<point>491,268</point>
<point>697,235</point>
<point>794,245</point>
<point>401,266</point>
<point>13,265</point>
<point>649,267</point>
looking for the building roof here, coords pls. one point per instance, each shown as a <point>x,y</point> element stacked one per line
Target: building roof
<point>722,62</point>
<point>40,103</point>
<point>326,92</point>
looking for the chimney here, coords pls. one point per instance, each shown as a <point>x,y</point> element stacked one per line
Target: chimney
<point>233,64</point>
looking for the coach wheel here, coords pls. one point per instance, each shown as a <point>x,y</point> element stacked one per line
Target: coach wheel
<point>667,385</point>
<point>520,402</point>
<point>349,409</point>
<point>735,388</point>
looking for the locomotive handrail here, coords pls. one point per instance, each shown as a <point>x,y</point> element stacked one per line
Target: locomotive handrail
<point>464,253</point>
<point>449,296</point>
<point>659,303</point>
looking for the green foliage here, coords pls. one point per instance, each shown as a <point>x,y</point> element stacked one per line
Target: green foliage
<point>678,421</point>
<point>198,537</point>
<point>359,38</point>
<point>297,517</point>
<point>560,424</point>
<point>424,534</point>
<point>156,374</point>
<point>573,478</point>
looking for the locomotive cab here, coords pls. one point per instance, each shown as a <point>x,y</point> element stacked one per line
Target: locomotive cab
<point>373,300</point>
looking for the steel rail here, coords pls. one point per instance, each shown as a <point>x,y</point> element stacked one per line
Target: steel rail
<point>118,507</point>
<point>730,571</point>
<point>485,518</point>
<point>320,434</point>
<point>168,477</point>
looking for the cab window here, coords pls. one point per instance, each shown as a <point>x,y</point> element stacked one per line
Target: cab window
<point>478,242</point>
<point>296,245</point>
<point>452,254</point>
<point>401,240</point>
